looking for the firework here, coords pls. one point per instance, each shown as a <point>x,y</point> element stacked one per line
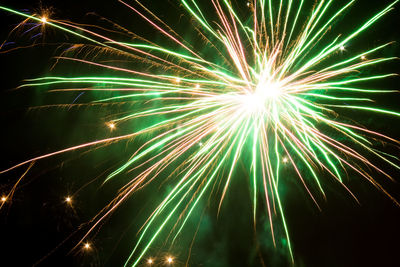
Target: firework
<point>273,94</point>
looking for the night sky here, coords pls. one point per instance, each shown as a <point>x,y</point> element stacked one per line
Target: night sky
<point>38,227</point>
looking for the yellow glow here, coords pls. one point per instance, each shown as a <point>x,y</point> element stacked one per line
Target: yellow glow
<point>3,199</point>
<point>285,160</point>
<point>197,86</point>
<point>43,19</point>
<point>363,57</point>
<point>342,48</point>
<point>150,261</point>
<point>170,260</point>
<point>265,93</point>
<point>68,199</point>
<point>111,125</point>
<point>178,80</point>
<point>87,246</point>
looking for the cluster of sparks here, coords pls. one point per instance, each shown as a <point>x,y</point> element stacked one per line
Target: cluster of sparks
<point>272,96</point>
<point>168,260</point>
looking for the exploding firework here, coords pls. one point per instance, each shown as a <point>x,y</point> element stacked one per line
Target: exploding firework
<point>273,93</point>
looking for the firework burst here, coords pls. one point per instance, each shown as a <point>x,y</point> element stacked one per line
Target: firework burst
<point>273,94</point>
